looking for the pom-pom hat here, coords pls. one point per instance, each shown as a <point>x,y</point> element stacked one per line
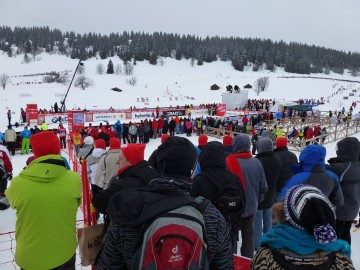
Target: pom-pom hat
<point>308,209</point>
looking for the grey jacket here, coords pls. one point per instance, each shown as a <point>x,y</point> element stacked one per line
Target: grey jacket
<point>253,172</point>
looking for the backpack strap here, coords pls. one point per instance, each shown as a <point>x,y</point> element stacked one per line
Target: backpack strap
<point>201,204</point>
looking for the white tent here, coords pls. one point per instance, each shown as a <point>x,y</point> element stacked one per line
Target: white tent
<point>280,104</point>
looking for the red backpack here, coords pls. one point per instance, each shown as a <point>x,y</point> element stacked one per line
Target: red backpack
<point>174,240</point>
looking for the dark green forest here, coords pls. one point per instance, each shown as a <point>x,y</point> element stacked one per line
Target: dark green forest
<point>139,46</point>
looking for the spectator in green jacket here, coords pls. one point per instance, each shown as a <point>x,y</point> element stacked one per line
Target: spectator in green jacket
<point>46,197</point>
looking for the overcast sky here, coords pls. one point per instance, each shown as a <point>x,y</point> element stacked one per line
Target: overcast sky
<point>329,23</point>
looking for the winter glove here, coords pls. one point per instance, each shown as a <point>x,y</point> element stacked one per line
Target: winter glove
<point>10,176</point>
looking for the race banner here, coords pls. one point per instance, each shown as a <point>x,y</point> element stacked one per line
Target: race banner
<point>143,115</point>
<point>110,116</point>
<point>220,109</point>
<point>200,112</point>
<point>174,113</point>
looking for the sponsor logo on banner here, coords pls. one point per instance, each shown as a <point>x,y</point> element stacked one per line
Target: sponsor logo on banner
<point>137,115</point>
<point>107,116</point>
<point>174,113</point>
<point>55,118</point>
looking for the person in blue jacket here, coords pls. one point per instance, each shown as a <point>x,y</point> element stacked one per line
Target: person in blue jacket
<point>311,171</point>
<point>118,128</point>
<point>25,135</point>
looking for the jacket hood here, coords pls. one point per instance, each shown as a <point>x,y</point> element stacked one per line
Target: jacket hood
<point>151,201</point>
<point>118,122</point>
<point>312,155</point>
<point>265,145</point>
<point>45,169</point>
<point>212,155</point>
<point>241,143</point>
<point>98,152</point>
<point>348,149</point>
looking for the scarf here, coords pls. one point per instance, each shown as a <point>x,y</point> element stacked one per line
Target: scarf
<point>234,166</point>
<point>300,242</point>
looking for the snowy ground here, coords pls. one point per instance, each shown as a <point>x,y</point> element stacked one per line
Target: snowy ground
<point>174,79</point>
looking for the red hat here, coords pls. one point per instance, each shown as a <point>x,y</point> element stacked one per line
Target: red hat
<point>100,143</point>
<point>114,143</point>
<point>164,137</point>
<point>227,140</point>
<point>281,142</point>
<point>134,153</point>
<point>203,139</point>
<point>45,143</point>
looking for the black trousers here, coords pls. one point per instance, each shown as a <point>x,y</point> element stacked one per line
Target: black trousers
<point>343,229</point>
<point>11,147</point>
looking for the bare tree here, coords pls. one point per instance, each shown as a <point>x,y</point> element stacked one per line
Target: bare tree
<point>83,82</point>
<point>132,81</point>
<point>161,61</point>
<point>63,79</point>
<point>261,84</point>
<point>4,80</point>
<point>129,68</point>
<point>100,69</point>
<point>81,70</point>
<point>118,69</point>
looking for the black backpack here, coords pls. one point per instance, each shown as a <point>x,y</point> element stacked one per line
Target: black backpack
<point>230,198</point>
<point>118,128</point>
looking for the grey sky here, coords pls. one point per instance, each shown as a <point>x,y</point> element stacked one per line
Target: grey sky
<point>329,23</point>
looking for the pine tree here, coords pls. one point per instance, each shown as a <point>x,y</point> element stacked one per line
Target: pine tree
<point>110,67</point>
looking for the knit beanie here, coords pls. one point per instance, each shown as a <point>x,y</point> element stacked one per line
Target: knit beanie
<point>100,143</point>
<point>177,156</point>
<point>164,137</point>
<point>281,142</point>
<point>308,209</point>
<point>89,140</point>
<point>202,140</point>
<point>45,143</point>
<point>134,153</point>
<point>227,140</point>
<point>114,143</point>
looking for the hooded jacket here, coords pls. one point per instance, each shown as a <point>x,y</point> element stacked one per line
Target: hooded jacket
<point>272,166</point>
<point>128,215</point>
<point>311,171</point>
<point>46,197</point>
<point>287,160</point>
<point>134,176</point>
<point>212,161</point>
<point>92,162</point>
<point>251,170</point>
<point>347,167</point>
<point>106,168</point>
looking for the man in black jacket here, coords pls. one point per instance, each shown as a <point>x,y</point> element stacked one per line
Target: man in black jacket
<point>212,177</point>
<point>133,172</point>
<point>176,161</point>
<point>287,160</point>
<point>272,167</point>
<point>347,167</point>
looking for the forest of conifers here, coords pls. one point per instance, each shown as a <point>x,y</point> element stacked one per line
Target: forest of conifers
<point>139,46</point>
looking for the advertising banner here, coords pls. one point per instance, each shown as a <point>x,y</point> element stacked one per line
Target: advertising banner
<point>143,115</point>
<point>220,109</point>
<point>110,116</point>
<point>201,112</point>
<point>174,113</point>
